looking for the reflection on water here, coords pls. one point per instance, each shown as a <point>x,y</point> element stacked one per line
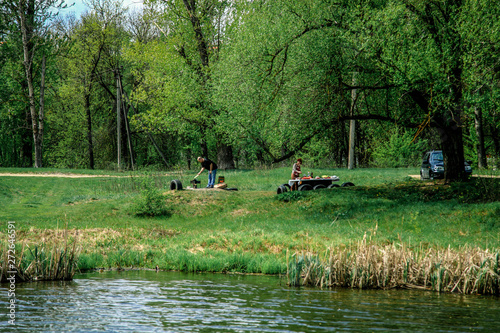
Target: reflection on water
<point>145,301</point>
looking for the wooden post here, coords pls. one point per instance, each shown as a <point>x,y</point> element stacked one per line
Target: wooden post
<point>352,127</point>
<point>118,119</point>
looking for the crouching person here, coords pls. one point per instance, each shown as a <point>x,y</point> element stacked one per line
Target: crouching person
<point>212,170</point>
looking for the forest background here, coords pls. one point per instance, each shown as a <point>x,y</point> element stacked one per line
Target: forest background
<point>249,83</point>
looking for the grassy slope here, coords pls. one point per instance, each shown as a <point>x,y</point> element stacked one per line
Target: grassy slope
<point>248,230</point>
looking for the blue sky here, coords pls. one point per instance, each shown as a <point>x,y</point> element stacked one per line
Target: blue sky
<point>79,7</point>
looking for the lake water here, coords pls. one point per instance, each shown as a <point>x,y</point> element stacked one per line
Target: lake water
<point>146,301</point>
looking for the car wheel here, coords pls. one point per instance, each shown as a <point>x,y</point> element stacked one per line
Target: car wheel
<point>287,186</point>
<point>282,189</point>
<point>333,185</point>
<point>305,187</point>
<point>347,184</point>
<point>319,186</point>
<point>176,185</point>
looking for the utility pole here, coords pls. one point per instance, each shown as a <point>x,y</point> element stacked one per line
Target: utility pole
<point>118,119</point>
<point>352,127</point>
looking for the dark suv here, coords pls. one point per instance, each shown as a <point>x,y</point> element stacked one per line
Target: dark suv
<point>433,165</point>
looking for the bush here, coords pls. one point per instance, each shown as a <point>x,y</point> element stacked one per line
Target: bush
<point>291,196</point>
<point>398,151</point>
<point>151,202</point>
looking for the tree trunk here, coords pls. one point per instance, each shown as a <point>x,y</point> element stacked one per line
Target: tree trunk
<point>452,140</point>
<point>453,148</point>
<point>26,12</point>
<point>260,156</point>
<point>478,124</point>
<point>39,139</point>
<point>225,160</point>
<point>200,38</point>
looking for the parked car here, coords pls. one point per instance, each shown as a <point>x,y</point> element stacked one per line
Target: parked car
<point>433,165</point>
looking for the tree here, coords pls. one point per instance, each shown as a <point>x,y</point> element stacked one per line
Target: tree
<point>432,59</point>
<point>410,58</point>
<point>192,31</point>
<point>480,30</point>
<point>265,80</point>
<point>15,135</point>
<point>87,90</point>
<point>32,18</point>
<point>286,83</point>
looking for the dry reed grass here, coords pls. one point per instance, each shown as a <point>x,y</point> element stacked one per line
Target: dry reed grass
<point>91,238</point>
<point>468,270</point>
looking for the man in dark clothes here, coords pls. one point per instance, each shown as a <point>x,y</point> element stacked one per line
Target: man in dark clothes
<point>212,170</point>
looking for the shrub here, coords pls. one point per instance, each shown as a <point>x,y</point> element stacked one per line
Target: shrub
<point>291,196</point>
<point>398,151</point>
<point>150,202</point>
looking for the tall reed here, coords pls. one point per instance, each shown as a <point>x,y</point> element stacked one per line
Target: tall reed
<point>467,270</point>
<point>42,262</point>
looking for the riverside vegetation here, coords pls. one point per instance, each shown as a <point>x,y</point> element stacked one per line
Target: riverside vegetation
<point>388,231</point>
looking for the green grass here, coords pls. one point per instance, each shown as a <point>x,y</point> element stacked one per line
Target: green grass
<point>249,230</point>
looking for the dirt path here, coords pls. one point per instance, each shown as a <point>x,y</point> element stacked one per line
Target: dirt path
<point>58,175</point>
<point>481,176</point>
<point>74,175</point>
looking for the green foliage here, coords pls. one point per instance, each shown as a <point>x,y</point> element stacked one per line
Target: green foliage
<point>271,91</point>
<point>151,202</point>
<point>292,196</point>
<point>218,261</point>
<point>89,261</point>
<point>398,150</point>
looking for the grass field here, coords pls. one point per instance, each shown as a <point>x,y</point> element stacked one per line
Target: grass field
<point>250,230</point>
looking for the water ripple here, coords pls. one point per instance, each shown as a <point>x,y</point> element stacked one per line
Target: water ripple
<point>141,301</point>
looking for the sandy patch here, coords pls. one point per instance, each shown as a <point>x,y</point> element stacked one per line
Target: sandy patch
<point>240,212</point>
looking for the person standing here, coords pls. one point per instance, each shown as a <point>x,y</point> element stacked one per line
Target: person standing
<point>296,173</point>
<point>212,170</point>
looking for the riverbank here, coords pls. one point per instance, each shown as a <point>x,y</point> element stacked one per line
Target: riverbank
<point>251,230</point>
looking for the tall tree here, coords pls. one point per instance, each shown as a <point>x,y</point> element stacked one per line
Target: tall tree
<point>480,30</point>
<point>418,45</point>
<point>286,74</point>
<point>32,18</point>
<point>193,33</point>
<point>414,50</point>
<point>87,90</point>
<point>95,58</point>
